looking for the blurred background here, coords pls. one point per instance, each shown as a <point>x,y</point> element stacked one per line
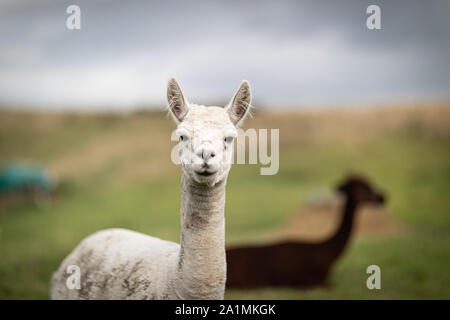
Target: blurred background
<point>85,139</point>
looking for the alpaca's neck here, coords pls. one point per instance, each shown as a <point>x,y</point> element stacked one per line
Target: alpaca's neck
<point>336,244</point>
<point>201,265</point>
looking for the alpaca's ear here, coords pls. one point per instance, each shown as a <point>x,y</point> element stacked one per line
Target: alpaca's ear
<point>177,103</point>
<point>239,107</point>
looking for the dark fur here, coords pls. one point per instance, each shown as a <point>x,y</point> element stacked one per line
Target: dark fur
<point>298,264</point>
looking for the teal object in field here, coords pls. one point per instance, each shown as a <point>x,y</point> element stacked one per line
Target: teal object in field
<point>16,177</point>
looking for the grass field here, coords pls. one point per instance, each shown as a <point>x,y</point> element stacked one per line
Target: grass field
<point>117,172</point>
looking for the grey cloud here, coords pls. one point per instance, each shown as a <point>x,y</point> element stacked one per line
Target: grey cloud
<point>291,51</point>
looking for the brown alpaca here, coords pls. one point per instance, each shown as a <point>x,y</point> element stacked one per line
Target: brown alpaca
<point>298,264</point>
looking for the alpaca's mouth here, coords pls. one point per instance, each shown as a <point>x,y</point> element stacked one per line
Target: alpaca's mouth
<point>205,173</point>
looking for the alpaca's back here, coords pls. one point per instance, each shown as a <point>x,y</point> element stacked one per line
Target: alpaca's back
<point>118,264</point>
<point>281,264</point>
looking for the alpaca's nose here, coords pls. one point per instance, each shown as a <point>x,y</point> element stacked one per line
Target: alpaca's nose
<point>381,198</point>
<point>206,153</point>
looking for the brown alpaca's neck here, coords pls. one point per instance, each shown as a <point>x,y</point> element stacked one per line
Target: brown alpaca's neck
<point>336,244</point>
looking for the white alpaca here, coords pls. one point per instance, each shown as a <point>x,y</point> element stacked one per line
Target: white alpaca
<point>123,264</point>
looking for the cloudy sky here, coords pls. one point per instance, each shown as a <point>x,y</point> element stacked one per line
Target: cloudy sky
<point>292,52</point>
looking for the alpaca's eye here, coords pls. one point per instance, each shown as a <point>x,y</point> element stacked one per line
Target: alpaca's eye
<point>228,139</point>
<point>183,137</point>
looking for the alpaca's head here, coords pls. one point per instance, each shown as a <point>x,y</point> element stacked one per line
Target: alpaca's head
<point>207,133</point>
<point>359,189</point>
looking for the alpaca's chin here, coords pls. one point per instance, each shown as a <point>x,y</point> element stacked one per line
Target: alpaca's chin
<point>210,179</point>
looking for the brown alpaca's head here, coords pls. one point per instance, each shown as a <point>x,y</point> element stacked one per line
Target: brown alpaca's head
<point>359,189</point>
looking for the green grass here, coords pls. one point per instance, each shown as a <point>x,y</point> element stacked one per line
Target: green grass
<point>410,162</point>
